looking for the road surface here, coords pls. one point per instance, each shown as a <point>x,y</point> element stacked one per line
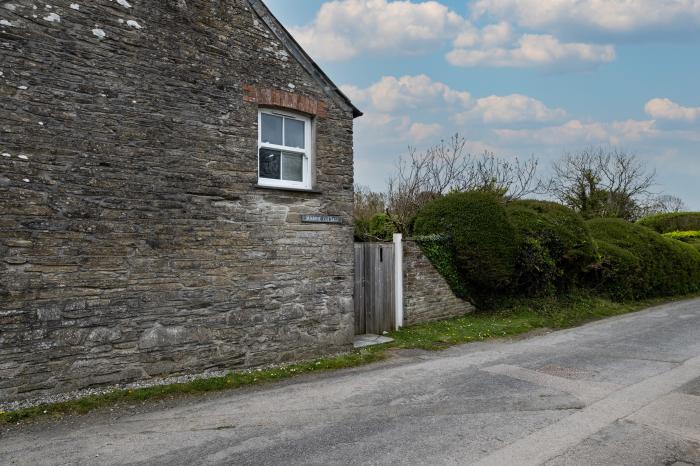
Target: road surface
<point>624,391</point>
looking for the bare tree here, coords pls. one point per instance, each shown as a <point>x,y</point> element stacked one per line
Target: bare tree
<point>446,167</point>
<point>420,177</point>
<point>669,204</point>
<point>367,202</point>
<point>513,179</point>
<point>663,204</point>
<point>600,183</point>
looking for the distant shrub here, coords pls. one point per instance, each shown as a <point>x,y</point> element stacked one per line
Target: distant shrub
<point>377,228</point>
<point>361,229</point>
<point>483,240</point>
<point>665,266</point>
<point>665,223</point>
<point>381,228</point>
<point>556,247</point>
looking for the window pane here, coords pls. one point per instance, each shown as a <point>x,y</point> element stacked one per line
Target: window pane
<point>270,163</point>
<point>271,129</point>
<point>293,133</point>
<point>293,167</point>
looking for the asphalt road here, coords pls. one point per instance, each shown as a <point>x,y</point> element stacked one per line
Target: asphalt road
<point>624,391</point>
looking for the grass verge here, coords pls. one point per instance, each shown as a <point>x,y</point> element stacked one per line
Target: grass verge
<point>512,317</point>
<point>517,316</point>
<point>214,384</point>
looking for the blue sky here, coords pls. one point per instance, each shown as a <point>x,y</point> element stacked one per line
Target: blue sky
<point>516,77</point>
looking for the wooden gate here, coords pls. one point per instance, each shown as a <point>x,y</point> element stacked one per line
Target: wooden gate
<point>374,288</point>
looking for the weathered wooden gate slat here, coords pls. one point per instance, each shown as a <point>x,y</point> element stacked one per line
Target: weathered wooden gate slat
<point>374,288</point>
<point>359,293</point>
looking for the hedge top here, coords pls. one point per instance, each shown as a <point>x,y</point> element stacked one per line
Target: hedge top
<point>666,223</point>
<point>560,229</point>
<point>683,235</point>
<point>484,241</point>
<point>666,266</point>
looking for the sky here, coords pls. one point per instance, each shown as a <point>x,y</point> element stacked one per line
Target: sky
<point>518,78</point>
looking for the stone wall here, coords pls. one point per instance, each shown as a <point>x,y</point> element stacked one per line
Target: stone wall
<point>427,296</point>
<point>134,242</point>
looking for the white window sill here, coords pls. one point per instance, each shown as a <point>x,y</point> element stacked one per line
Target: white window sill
<point>287,188</point>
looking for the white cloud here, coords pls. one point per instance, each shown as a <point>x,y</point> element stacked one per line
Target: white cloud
<point>578,132</point>
<point>354,93</point>
<point>343,29</point>
<point>495,35</point>
<point>609,16</point>
<point>423,131</point>
<point>390,94</point>
<point>632,130</point>
<point>415,109</point>
<point>534,50</point>
<point>490,36</point>
<point>666,109</point>
<point>509,109</point>
<point>375,120</point>
<point>569,132</point>
<point>391,103</point>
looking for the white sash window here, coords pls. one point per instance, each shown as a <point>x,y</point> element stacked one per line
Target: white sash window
<point>284,149</point>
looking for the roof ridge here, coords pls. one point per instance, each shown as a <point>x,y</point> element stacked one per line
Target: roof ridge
<point>300,54</point>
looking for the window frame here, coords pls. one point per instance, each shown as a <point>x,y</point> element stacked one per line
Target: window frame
<point>306,152</point>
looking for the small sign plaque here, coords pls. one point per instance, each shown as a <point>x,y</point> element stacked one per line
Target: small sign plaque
<point>322,219</point>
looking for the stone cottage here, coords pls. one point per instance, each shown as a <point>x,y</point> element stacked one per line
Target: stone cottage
<point>176,185</point>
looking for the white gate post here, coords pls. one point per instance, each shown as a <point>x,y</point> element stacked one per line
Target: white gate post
<point>398,279</point>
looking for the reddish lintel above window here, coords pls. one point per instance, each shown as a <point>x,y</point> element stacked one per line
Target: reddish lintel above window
<point>285,99</point>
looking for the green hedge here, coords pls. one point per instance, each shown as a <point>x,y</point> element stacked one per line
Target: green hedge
<point>690,237</point>
<point>556,247</point>
<point>482,238</point>
<point>685,236</point>
<point>636,262</point>
<point>665,223</point>
<point>487,248</point>
<point>618,273</point>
